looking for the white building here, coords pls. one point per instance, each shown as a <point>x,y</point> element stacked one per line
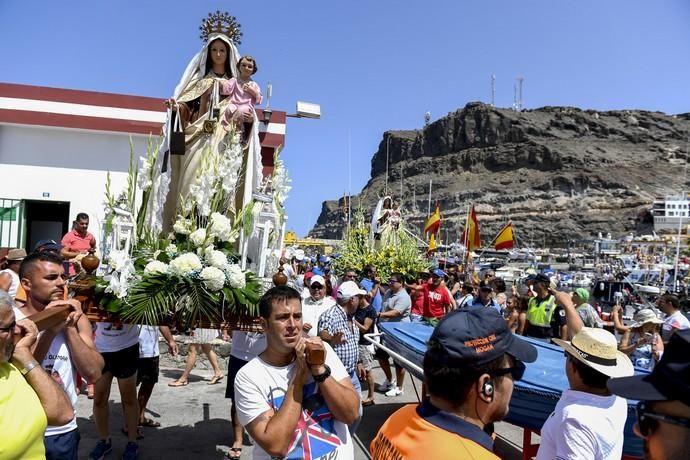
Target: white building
<point>57,145</point>
<point>669,212</point>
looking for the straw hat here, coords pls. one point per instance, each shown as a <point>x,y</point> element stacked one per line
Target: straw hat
<point>16,255</point>
<point>644,316</point>
<point>598,349</point>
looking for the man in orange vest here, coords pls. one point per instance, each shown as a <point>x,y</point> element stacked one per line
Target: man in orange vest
<point>469,368</point>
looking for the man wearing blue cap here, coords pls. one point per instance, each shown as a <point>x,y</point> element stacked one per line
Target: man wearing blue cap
<point>663,413</point>
<point>470,365</point>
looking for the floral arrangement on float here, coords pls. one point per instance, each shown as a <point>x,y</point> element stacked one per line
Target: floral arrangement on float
<point>400,252</point>
<point>192,273</point>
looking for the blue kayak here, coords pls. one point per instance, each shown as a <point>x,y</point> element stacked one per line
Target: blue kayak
<point>534,397</point>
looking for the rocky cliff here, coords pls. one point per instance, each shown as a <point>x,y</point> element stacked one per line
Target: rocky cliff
<point>560,173</point>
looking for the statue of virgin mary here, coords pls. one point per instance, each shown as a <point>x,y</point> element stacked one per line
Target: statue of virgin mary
<point>196,108</point>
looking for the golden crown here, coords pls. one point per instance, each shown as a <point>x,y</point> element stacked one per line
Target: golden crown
<point>223,23</point>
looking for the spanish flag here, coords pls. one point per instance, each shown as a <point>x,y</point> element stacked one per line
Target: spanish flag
<point>504,239</point>
<point>432,244</point>
<point>433,223</point>
<point>470,236</point>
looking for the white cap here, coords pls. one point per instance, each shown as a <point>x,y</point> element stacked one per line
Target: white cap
<point>349,289</point>
<point>317,279</point>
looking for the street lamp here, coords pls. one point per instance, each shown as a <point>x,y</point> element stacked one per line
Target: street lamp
<point>306,110</point>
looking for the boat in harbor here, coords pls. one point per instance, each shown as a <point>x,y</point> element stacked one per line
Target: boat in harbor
<point>534,397</point>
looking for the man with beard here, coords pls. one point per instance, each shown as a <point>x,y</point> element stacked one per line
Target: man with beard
<point>67,348</point>
<point>282,400</point>
<point>663,413</point>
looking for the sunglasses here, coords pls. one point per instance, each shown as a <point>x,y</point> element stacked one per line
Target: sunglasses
<point>315,286</point>
<point>516,372</point>
<point>9,328</point>
<point>649,421</point>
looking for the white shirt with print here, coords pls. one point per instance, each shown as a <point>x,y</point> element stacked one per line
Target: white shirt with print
<point>260,387</point>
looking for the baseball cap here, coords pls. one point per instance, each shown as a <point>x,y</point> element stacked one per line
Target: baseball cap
<point>317,279</point>
<point>318,271</point>
<point>541,278</point>
<point>479,336</point>
<point>47,245</point>
<point>349,289</point>
<point>485,285</point>
<point>438,272</point>
<point>670,379</point>
<point>582,293</point>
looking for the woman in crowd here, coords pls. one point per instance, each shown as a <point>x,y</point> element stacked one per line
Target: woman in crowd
<point>512,312</point>
<point>641,340</point>
<point>200,342</point>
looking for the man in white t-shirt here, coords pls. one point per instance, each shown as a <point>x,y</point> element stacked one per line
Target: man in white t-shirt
<point>64,350</point>
<point>675,319</point>
<point>589,421</point>
<point>291,409</point>
<point>315,305</point>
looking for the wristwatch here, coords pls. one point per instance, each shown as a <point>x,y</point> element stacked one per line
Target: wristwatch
<point>29,367</point>
<point>320,378</point>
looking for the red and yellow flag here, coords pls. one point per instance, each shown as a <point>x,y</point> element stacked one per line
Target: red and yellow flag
<point>504,239</point>
<point>432,244</point>
<point>433,223</point>
<point>470,236</point>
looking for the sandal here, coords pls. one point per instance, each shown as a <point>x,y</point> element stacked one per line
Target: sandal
<point>150,423</point>
<point>216,379</point>
<point>140,436</point>
<point>368,402</point>
<point>178,383</point>
<point>234,453</point>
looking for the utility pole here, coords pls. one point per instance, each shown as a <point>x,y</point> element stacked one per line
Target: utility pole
<point>493,90</point>
<point>519,100</point>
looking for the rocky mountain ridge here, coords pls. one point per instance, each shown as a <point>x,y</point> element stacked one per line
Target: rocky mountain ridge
<point>560,173</point>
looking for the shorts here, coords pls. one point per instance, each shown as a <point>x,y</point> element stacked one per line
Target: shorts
<point>366,357</point>
<point>122,364</point>
<point>234,365</point>
<point>63,446</point>
<point>147,371</point>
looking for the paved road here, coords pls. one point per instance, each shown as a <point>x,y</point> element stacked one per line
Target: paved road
<point>195,421</point>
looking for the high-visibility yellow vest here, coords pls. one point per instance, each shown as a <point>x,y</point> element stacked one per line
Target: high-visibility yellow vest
<point>539,313</point>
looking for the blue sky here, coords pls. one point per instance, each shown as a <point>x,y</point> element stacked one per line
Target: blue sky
<point>372,65</point>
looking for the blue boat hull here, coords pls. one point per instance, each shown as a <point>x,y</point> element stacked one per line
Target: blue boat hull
<point>534,397</point>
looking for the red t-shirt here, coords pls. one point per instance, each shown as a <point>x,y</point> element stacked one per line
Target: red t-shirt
<point>417,303</point>
<point>74,242</point>
<point>436,299</point>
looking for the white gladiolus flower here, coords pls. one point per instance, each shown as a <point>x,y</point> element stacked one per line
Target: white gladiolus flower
<point>221,228</point>
<point>216,258</point>
<point>185,264</point>
<point>198,237</point>
<point>171,250</point>
<point>117,259</point>
<point>155,267</point>
<point>144,175</point>
<point>118,286</point>
<point>182,226</point>
<point>236,276</point>
<point>213,278</point>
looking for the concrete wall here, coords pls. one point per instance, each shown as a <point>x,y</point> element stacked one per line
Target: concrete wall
<point>53,164</point>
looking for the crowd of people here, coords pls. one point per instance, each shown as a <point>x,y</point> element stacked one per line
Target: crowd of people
<point>297,385</point>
